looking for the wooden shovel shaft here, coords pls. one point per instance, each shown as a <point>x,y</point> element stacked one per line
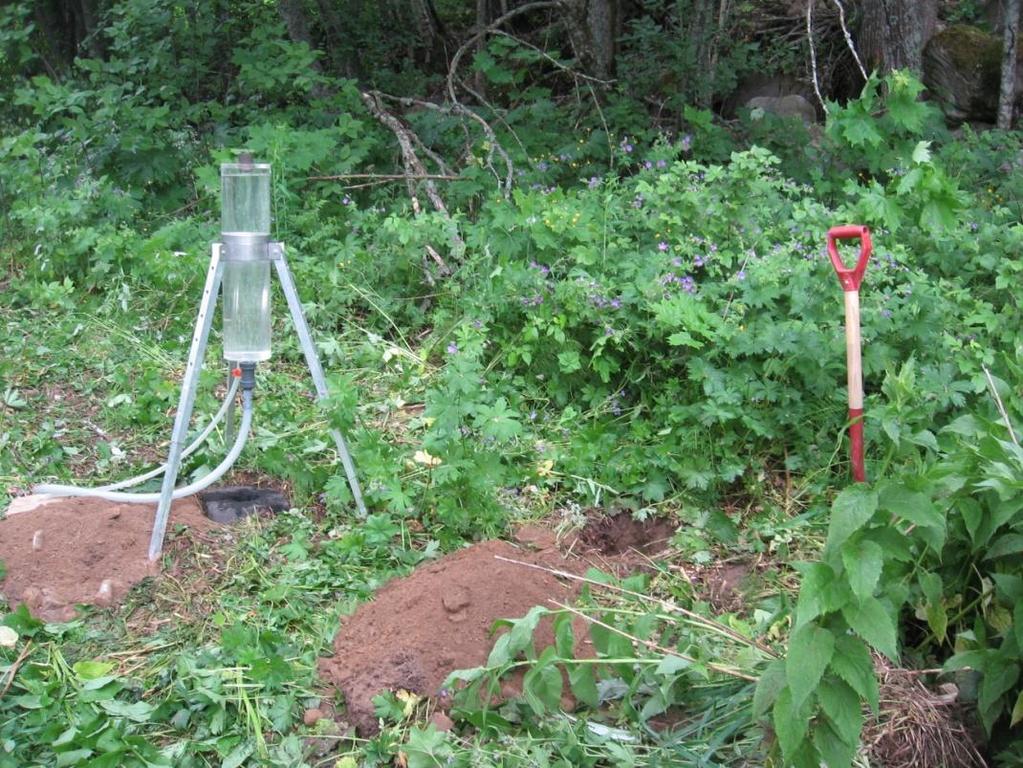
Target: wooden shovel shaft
<point>855,383</point>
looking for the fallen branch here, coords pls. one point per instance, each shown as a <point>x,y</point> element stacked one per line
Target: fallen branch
<point>414,171</point>
<point>460,109</point>
<point>384,177</point>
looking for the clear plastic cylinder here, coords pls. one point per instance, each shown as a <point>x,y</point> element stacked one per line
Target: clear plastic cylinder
<point>245,236</point>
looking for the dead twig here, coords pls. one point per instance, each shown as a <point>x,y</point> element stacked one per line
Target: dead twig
<point>12,672</point>
<point>731,671</point>
<point>813,55</point>
<point>1001,406</point>
<point>384,177</point>
<point>849,40</point>
<point>668,607</point>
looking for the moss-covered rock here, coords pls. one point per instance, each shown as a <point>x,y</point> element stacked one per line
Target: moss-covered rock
<point>962,67</point>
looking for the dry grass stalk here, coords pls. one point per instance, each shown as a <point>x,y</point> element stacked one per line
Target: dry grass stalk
<point>918,727</point>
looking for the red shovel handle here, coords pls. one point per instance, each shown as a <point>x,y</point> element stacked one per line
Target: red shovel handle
<point>850,278</point>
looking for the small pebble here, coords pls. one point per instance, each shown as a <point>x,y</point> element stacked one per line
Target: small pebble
<point>312,716</point>
<point>455,599</point>
<point>105,594</point>
<point>442,721</point>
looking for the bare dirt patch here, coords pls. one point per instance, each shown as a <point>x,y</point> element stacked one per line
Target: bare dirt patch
<point>622,534</point>
<point>82,551</point>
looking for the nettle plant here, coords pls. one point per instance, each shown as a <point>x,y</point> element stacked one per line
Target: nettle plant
<point>928,562</point>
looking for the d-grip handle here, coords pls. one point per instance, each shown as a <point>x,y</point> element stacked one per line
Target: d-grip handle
<point>850,277</point>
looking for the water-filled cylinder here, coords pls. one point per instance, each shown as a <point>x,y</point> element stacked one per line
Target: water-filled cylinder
<point>245,235</point>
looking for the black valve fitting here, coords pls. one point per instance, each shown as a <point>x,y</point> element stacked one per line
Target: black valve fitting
<point>248,380</point>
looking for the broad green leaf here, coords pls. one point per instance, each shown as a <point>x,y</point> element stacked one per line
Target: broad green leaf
<point>91,670</point>
<point>768,687</point>
<point>976,659</point>
<point>138,712</point>
<point>821,592</point>
<point>874,624</point>
<point>789,725</point>
<point>937,620</point>
<point>1017,623</point>
<point>852,662</point>
<point>842,706</point>
<point>836,751</point>
<point>427,747</point>
<point>863,561</point>
<point>541,685</point>
<point>655,705</point>
<point>930,585</point>
<point>999,678</point>
<point>810,650</point>
<point>915,507</point>
<point>520,636</point>
<point>564,638</point>
<point>671,664</point>
<point>238,755</point>
<point>583,684</point>
<point>1008,544</point>
<point>72,757</point>
<point>1017,711</point>
<point>922,152</point>
<point>850,511</point>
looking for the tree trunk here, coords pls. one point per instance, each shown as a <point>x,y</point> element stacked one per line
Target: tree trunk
<point>1007,91</point>
<point>293,14</point>
<point>893,33</point>
<point>602,22</point>
<point>593,31</point>
<point>90,24</point>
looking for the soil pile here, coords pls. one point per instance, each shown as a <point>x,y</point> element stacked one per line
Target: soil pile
<point>81,550</point>
<point>419,628</point>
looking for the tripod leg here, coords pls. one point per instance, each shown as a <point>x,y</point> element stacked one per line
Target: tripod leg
<point>315,369</point>
<point>187,400</point>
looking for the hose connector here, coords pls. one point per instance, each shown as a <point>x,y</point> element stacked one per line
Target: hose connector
<point>248,379</point>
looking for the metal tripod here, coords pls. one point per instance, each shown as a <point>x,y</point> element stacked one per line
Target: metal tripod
<point>191,380</point>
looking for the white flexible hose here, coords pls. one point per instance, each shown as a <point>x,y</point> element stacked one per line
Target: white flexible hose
<point>151,498</point>
<point>127,483</point>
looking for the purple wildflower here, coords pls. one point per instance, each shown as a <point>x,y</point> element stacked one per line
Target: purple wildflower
<point>687,142</point>
<point>593,183</point>
<point>452,348</point>
<point>662,246</point>
<point>698,261</point>
<point>542,165</point>
<point>346,200</point>
<point>647,164</point>
<point>677,261</point>
<point>637,201</point>
<point>616,304</point>
<point>741,274</point>
<point>662,163</point>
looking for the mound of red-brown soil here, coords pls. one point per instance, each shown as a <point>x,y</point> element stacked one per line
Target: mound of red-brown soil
<point>417,629</point>
<point>420,628</point>
<point>81,551</point>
